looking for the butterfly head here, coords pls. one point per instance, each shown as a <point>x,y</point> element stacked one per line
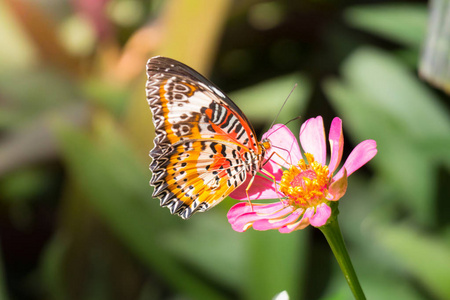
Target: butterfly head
<point>265,144</point>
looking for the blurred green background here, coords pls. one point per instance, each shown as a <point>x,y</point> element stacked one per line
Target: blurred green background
<point>77,220</point>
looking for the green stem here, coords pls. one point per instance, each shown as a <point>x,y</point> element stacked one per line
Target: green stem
<point>333,235</point>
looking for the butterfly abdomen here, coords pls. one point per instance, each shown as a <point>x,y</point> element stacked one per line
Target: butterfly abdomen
<point>254,162</point>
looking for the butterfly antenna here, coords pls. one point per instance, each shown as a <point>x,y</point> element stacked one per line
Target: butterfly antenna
<point>295,85</point>
<point>293,119</point>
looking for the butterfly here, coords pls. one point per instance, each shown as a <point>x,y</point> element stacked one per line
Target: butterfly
<point>204,147</point>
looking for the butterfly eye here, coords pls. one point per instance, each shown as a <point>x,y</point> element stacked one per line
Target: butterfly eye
<point>265,143</point>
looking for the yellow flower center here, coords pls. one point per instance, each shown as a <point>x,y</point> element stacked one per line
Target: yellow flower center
<point>305,184</point>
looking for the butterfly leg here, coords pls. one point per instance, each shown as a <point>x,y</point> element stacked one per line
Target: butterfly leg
<point>282,158</point>
<point>271,175</point>
<point>274,182</point>
<point>267,174</point>
<point>246,191</point>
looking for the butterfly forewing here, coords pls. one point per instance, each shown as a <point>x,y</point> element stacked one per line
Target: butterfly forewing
<point>204,145</point>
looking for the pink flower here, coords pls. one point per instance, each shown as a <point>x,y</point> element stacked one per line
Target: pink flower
<point>304,187</point>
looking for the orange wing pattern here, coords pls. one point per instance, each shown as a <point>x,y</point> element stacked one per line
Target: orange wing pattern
<point>204,144</point>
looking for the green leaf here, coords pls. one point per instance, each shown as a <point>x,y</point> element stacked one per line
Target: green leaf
<point>364,121</point>
<point>410,248</point>
<point>52,267</point>
<point>23,184</point>
<point>390,86</point>
<point>31,97</point>
<point>221,252</point>
<point>380,99</point>
<point>401,23</point>
<point>107,94</point>
<point>116,185</point>
<point>274,262</point>
<point>367,202</point>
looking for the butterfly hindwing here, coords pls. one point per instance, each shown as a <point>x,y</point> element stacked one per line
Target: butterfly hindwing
<point>195,176</point>
<point>204,144</point>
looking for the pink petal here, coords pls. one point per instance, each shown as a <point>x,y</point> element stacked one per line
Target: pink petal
<point>261,188</point>
<point>304,222</point>
<point>284,144</point>
<point>337,188</point>
<point>244,207</point>
<point>336,138</point>
<point>294,226</point>
<point>323,212</point>
<point>273,168</point>
<point>312,138</point>
<point>274,222</point>
<point>362,153</point>
<point>308,213</point>
<point>242,222</point>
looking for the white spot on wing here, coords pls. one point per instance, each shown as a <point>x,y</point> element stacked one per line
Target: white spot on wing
<point>195,104</point>
<point>217,91</point>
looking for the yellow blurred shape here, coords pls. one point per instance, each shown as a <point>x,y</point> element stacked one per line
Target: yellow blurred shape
<point>266,15</point>
<point>77,35</point>
<point>17,50</point>
<point>126,13</point>
<point>192,30</point>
